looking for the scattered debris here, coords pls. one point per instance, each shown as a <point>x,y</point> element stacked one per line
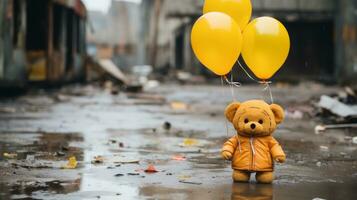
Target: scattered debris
<point>188,142</point>
<point>32,164</point>
<point>112,141</point>
<point>324,148</point>
<point>151,84</point>
<point>336,107</point>
<point>183,76</point>
<point>133,174</point>
<point>62,98</point>
<point>127,161</point>
<point>179,158</point>
<point>184,177</point>
<point>135,88</point>
<point>348,96</point>
<point>167,126</point>
<point>294,114</point>
<point>108,66</point>
<point>322,128</point>
<point>319,164</point>
<point>98,160</point>
<point>151,169</point>
<point>10,155</point>
<point>118,175</point>
<point>114,91</point>
<point>71,164</point>
<point>7,110</point>
<point>189,182</point>
<point>148,99</point>
<point>30,158</point>
<point>186,77</point>
<point>59,154</point>
<point>65,148</point>
<point>179,106</point>
<point>121,144</point>
<point>354,140</point>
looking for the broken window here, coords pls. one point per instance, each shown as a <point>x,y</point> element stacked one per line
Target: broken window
<point>17,21</point>
<point>57,26</point>
<point>36,20</point>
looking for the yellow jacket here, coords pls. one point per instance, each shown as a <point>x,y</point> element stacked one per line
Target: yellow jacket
<point>253,153</point>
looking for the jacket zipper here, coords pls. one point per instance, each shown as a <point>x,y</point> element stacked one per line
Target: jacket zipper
<point>251,141</point>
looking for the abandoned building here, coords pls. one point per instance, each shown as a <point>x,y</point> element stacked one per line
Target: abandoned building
<point>323,36</point>
<point>41,41</point>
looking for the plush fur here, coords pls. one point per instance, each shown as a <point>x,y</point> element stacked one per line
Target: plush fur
<point>253,149</point>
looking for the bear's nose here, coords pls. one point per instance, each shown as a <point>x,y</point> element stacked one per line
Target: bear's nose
<point>252,126</point>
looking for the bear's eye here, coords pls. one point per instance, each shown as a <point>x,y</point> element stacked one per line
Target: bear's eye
<point>261,121</point>
<point>246,121</point>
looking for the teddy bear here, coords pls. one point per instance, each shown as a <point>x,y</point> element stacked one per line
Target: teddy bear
<point>253,149</point>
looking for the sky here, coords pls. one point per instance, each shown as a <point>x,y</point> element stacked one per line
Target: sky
<point>102,5</point>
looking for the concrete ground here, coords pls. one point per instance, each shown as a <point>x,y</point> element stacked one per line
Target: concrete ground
<point>178,129</point>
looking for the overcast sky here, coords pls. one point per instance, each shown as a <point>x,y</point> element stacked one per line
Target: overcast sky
<point>102,5</point>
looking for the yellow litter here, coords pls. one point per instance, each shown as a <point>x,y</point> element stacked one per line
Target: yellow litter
<point>98,159</point>
<point>175,105</point>
<point>10,155</point>
<point>72,163</point>
<point>188,142</point>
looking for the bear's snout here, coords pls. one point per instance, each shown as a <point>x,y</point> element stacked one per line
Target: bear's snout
<point>252,127</point>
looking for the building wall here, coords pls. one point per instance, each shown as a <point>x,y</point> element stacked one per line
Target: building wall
<point>321,46</point>
<point>41,41</point>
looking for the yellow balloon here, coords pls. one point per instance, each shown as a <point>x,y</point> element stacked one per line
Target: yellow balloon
<point>239,10</point>
<point>266,45</point>
<point>216,40</point>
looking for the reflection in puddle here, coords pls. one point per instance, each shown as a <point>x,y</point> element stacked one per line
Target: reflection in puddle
<point>252,191</point>
<point>36,167</point>
<point>47,146</point>
<point>54,187</point>
<point>27,189</point>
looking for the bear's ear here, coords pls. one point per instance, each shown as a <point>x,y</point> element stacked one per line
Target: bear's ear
<point>231,110</point>
<point>278,113</point>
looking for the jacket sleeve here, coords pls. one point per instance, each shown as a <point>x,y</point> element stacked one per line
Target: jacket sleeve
<point>230,145</point>
<point>276,149</point>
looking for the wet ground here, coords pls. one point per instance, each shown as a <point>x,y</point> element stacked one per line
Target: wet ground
<point>178,129</point>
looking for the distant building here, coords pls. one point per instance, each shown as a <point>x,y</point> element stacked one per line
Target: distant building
<point>120,30</point>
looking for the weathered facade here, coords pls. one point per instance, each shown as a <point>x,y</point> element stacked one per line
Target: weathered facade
<point>41,41</point>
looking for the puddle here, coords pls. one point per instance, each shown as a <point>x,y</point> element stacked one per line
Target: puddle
<point>36,168</point>
<point>45,146</point>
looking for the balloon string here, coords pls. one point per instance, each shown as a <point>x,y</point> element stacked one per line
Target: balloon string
<point>267,88</point>
<point>231,83</point>
<point>232,89</point>
<point>246,72</point>
<point>225,119</point>
<point>265,83</point>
